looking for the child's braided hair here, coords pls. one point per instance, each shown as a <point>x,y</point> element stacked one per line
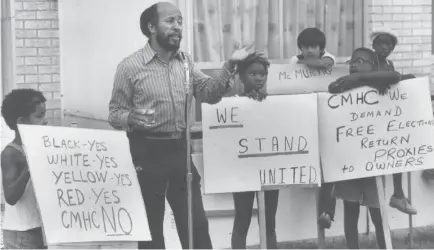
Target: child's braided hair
<point>252,58</point>
<point>244,64</point>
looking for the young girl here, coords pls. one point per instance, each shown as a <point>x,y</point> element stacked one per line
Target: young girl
<point>22,221</point>
<point>312,42</point>
<point>253,73</point>
<point>359,191</point>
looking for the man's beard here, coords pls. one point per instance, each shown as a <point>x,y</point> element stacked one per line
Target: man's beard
<point>164,42</point>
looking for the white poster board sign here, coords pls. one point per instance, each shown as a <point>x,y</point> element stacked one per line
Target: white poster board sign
<point>249,144</point>
<point>85,184</point>
<point>364,134</point>
<point>285,79</point>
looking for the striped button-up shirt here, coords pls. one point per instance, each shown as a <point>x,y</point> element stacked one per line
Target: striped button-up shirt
<point>144,81</point>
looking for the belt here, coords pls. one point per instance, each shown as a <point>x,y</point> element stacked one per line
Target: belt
<point>164,135</point>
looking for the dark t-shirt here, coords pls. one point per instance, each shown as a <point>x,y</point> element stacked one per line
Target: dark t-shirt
<point>388,66</point>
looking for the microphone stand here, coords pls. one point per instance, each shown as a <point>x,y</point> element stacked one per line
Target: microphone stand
<point>188,101</point>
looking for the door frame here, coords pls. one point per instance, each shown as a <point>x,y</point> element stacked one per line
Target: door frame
<point>7,53</point>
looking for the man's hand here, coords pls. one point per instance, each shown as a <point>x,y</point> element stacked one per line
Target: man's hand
<point>241,53</point>
<point>135,120</point>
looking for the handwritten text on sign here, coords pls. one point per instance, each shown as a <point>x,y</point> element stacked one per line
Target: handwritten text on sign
<point>298,79</point>
<point>365,134</point>
<point>85,184</point>
<point>249,144</point>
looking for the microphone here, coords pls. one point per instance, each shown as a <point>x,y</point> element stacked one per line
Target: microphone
<point>189,177</point>
<point>187,83</point>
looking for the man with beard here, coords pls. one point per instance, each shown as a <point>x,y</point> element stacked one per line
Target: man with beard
<point>153,78</point>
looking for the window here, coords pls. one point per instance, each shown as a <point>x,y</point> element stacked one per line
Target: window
<point>273,26</point>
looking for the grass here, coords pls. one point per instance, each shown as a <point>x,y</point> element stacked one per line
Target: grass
<point>423,238</point>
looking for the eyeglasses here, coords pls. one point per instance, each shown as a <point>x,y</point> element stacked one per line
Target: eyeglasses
<point>359,60</point>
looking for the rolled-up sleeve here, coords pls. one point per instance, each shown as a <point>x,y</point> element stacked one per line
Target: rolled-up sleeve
<point>326,54</point>
<point>208,89</point>
<point>121,100</point>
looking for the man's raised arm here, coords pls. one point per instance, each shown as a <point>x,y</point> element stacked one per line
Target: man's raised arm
<point>211,90</point>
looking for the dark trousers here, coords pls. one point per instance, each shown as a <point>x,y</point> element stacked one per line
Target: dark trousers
<point>327,201</point>
<point>163,173</point>
<point>243,215</point>
<point>351,219</point>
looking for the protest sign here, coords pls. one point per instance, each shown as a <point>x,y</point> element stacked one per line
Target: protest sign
<point>285,79</point>
<point>85,184</point>
<point>364,134</point>
<point>249,144</point>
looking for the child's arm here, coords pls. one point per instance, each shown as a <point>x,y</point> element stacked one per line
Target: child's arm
<point>322,63</point>
<point>15,175</point>
<point>407,76</point>
<point>373,77</point>
<point>388,80</point>
<point>380,80</point>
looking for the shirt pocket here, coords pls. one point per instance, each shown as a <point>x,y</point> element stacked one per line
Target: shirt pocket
<point>177,77</point>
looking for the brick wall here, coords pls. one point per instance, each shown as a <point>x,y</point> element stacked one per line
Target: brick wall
<point>411,20</point>
<point>37,51</point>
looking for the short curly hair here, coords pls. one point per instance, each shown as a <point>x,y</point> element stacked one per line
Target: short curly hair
<point>251,59</point>
<point>371,54</point>
<point>20,103</point>
<point>311,37</point>
<point>150,15</point>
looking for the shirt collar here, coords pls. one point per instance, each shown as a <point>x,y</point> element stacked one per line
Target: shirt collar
<point>149,53</point>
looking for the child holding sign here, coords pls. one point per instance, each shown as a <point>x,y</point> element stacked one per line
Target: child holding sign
<point>253,73</point>
<point>312,42</point>
<point>360,191</point>
<point>22,228</point>
<point>384,43</point>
